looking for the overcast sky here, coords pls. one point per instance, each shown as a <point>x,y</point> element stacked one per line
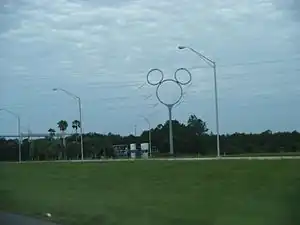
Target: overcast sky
<point>102,51</point>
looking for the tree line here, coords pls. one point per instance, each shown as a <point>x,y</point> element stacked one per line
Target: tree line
<point>190,138</point>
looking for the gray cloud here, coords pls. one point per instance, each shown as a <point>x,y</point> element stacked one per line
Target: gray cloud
<point>291,7</point>
<point>102,50</point>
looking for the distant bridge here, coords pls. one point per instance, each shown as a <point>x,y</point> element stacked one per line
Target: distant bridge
<point>35,135</point>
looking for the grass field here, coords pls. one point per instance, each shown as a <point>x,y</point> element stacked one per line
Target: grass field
<point>238,192</point>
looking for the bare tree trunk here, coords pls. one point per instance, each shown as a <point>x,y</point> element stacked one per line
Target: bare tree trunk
<point>63,144</point>
<point>63,138</point>
<point>76,135</point>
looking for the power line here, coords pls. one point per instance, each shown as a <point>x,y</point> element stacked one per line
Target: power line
<point>148,96</point>
<point>195,92</point>
<point>119,86</point>
<point>142,84</point>
<point>260,62</point>
<point>153,105</point>
<point>271,72</point>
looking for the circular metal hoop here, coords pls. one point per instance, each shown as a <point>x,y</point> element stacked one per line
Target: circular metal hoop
<point>160,81</point>
<point>176,83</point>
<point>189,74</point>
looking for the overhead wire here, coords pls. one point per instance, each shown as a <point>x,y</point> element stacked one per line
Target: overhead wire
<point>259,62</point>
<point>141,85</point>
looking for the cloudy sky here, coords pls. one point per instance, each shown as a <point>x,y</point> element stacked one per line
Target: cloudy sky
<point>102,51</point>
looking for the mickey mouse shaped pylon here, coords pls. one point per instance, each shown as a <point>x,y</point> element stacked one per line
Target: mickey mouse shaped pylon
<point>176,81</point>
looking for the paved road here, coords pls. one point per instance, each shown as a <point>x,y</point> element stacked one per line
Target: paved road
<point>189,159</point>
<point>14,219</point>
<point>171,159</point>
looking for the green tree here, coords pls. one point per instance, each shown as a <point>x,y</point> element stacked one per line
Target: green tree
<point>190,138</point>
<point>76,125</point>
<point>197,125</point>
<point>63,126</point>
<point>51,132</point>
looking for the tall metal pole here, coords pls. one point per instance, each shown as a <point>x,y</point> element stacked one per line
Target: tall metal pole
<point>212,64</point>
<point>149,134</point>
<point>169,105</point>
<point>19,131</point>
<point>150,145</point>
<point>171,130</point>
<point>217,109</point>
<point>81,138</point>
<point>80,116</point>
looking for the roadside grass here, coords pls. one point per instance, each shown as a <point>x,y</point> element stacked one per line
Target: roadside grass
<point>225,192</point>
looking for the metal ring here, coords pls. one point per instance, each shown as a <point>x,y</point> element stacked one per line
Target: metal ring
<point>177,83</point>
<point>189,73</point>
<point>159,82</point>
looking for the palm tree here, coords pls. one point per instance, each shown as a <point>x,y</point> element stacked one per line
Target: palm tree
<point>51,133</point>
<point>75,125</point>
<point>62,125</point>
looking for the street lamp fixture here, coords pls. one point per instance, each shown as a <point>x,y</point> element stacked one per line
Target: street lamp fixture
<point>80,115</point>
<point>212,64</point>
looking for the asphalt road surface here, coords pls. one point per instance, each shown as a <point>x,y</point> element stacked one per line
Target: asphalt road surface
<point>171,159</point>
<point>14,219</point>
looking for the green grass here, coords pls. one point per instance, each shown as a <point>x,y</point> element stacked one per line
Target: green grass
<point>155,192</point>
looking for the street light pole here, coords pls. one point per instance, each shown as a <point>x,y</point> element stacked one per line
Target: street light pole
<point>80,119</point>
<point>80,116</point>
<point>20,141</point>
<point>29,132</point>
<point>212,64</point>
<point>19,130</point>
<point>149,134</point>
<point>217,109</point>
